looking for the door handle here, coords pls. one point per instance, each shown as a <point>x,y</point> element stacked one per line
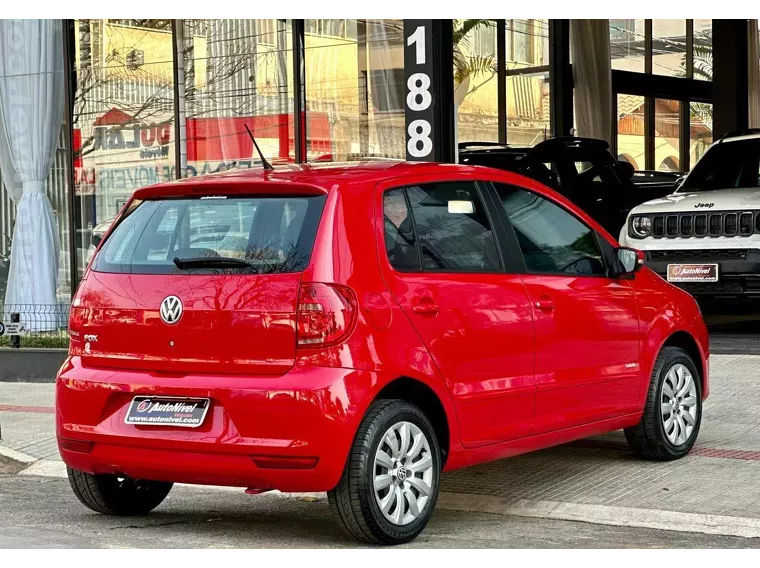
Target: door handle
<point>545,303</point>
<point>425,306</point>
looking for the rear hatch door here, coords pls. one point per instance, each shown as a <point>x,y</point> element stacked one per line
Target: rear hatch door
<point>205,284</point>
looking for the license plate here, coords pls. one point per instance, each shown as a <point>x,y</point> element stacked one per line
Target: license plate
<point>167,411</point>
<point>692,272</point>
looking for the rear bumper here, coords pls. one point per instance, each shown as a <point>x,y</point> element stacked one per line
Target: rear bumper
<point>738,271</point>
<point>306,419</point>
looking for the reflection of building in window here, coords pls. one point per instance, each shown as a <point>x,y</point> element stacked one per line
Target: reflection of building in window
<point>266,31</point>
<point>528,102</point>
<point>520,41</point>
<point>631,132</point>
<point>135,59</point>
<point>669,164</point>
<point>629,159</point>
<point>484,41</point>
<point>331,28</point>
<point>356,82</point>
<point>669,45</point>
<point>622,31</point>
<point>627,45</point>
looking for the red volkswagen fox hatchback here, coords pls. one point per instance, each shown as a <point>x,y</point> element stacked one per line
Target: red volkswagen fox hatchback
<point>358,330</point>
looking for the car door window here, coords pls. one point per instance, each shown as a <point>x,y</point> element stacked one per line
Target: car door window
<point>400,242</point>
<point>447,225</point>
<point>552,240</point>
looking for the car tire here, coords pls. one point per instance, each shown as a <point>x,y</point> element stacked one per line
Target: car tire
<point>399,509</point>
<point>112,495</point>
<point>673,410</point>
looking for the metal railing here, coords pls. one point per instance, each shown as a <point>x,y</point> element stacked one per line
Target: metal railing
<point>34,325</point>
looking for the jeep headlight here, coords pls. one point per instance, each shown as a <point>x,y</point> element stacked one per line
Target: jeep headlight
<point>641,226</point>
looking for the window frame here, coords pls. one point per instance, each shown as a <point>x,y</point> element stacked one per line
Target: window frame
<point>504,251</point>
<point>606,250</point>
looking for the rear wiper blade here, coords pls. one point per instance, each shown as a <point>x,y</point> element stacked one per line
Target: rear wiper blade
<point>211,262</point>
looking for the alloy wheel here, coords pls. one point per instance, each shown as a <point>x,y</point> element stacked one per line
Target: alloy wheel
<point>678,404</point>
<point>403,473</point>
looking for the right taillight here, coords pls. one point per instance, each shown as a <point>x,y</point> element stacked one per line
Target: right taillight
<point>326,314</point>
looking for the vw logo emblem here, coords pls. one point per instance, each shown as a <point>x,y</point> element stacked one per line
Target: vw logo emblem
<point>171,310</point>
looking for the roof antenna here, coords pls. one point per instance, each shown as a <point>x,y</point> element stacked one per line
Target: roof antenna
<point>267,165</point>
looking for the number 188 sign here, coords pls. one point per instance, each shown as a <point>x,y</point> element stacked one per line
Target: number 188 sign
<point>418,67</point>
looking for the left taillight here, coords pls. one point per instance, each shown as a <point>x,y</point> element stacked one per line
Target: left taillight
<point>326,314</point>
<point>77,315</point>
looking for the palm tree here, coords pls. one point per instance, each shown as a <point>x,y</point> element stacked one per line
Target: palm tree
<point>703,69</point>
<point>468,66</point>
<point>703,56</point>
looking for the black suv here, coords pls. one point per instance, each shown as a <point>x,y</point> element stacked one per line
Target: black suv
<point>581,169</point>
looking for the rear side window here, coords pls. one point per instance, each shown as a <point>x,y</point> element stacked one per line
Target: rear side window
<point>439,227</point>
<point>250,235</point>
<point>400,241</point>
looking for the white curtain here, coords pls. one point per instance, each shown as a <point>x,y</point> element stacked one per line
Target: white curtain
<point>590,44</point>
<point>754,76</point>
<point>31,110</point>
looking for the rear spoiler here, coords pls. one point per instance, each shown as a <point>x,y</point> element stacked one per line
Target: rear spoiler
<point>573,142</point>
<point>226,186</point>
<point>463,145</point>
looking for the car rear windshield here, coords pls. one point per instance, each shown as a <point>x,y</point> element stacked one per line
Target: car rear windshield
<point>726,165</point>
<point>219,234</point>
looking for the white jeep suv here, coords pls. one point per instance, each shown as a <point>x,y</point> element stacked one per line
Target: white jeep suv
<point>705,237</point>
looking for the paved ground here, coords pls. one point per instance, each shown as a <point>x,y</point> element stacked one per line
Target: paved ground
<point>27,421</point>
<point>713,491</point>
<point>42,513</point>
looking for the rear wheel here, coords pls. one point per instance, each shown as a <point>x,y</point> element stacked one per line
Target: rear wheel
<point>673,411</point>
<point>114,495</point>
<point>390,485</point>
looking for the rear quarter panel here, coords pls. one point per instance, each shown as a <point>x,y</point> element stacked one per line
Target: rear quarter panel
<point>383,341</point>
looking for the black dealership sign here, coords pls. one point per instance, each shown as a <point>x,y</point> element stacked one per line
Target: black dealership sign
<point>428,89</point>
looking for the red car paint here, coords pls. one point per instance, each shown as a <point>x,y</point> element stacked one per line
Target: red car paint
<point>558,357</point>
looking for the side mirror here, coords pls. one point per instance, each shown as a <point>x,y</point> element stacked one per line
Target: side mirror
<point>630,261</point>
<point>627,168</point>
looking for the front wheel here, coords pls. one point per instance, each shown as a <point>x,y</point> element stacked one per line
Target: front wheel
<point>114,495</point>
<point>390,484</point>
<point>673,411</point>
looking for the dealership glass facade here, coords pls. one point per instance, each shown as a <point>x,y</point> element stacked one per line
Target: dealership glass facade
<point>655,133</point>
<point>354,82</point>
<point>525,68</point>
<point>155,100</point>
<point>123,122</point>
